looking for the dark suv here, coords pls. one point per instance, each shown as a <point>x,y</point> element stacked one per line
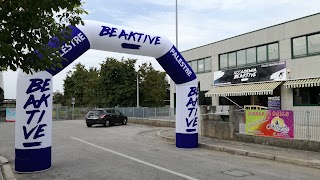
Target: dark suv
<point>105,116</point>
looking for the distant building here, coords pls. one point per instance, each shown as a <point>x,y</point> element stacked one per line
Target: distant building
<point>276,67</point>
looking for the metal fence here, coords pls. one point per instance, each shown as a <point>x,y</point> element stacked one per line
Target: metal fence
<point>307,124</point>
<point>149,112</point>
<point>68,113</point>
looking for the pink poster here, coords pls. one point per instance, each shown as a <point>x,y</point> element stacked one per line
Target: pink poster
<point>274,123</point>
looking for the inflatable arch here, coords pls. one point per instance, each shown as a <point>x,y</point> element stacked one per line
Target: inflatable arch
<point>33,131</point>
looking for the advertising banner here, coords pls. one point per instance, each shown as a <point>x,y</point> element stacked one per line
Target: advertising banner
<point>274,102</point>
<point>259,73</point>
<point>10,114</point>
<point>273,123</point>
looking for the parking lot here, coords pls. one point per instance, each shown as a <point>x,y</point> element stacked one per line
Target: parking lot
<point>135,152</point>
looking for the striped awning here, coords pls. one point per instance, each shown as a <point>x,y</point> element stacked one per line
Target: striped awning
<point>244,89</point>
<point>312,82</point>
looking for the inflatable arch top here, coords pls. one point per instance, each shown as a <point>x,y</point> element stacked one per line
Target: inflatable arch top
<point>33,131</point>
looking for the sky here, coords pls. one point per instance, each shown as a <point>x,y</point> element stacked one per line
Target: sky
<point>199,23</point>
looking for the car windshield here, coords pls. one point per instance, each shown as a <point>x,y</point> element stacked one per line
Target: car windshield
<point>111,111</point>
<point>95,112</point>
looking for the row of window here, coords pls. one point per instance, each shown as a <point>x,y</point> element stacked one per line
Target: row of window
<point>254,55</point>
<point>306,45</point>
<point>309,96</point>
<point>301,46</point>
<point>201,65</point>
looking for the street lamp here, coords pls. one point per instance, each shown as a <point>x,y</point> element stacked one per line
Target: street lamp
<point>171,86</point>
<point>137,88</point>
<point>177,24</point>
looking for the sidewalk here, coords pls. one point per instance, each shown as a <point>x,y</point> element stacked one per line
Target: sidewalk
<point>5,170</point>
<point>298,157</point>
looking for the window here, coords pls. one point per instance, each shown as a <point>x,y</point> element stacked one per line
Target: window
<point>241,58</point>
<point>251,56</point>
<point>201,65</point>
<point>314,43</point>
<point>194,66</point>
<point>232,59</point>
<point>110,111</point>
<point>262,54</point>
<point>306,96</point>
<point>117,112</point>
<point>273,51</point>
<point>223,61</point>
<point>299,46</point>
<point>306,45</point>
<point>207,64</point>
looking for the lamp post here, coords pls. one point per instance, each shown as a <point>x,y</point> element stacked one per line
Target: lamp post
<point>171,83</point>
<point>73,101</point>
<point>138,89</point>
<point>177,24</point>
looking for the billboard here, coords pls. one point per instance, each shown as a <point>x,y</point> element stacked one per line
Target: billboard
<point>259,73</point>
<point>273,123</point>
<point>10,114</point>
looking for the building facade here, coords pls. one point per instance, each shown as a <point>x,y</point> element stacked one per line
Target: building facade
<point>276,67</point>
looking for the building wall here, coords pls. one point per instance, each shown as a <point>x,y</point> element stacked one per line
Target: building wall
<point>298,68</point>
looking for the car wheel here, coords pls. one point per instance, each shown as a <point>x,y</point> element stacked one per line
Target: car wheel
<point>89,125</point>
<point>107,123</point>
<point>124,121</point>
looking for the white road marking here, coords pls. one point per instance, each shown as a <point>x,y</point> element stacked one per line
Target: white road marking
<point>137,160</point>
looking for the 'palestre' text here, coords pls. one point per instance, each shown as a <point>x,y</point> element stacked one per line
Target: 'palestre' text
<point>36,131</point>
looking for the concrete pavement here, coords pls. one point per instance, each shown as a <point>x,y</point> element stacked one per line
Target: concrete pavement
<point>6,172</point>
<point>136,152</point>
<point>298,157</point>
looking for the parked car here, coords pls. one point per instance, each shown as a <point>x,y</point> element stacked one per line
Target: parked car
<point>105,116</point>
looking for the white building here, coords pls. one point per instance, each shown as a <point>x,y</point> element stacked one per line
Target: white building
<point>277,67</point>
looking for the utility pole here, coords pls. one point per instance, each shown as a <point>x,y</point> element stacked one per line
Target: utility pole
<point>138,89</point>
<point>177,24</point>
<point>73,101</point>
<point>172,87</point>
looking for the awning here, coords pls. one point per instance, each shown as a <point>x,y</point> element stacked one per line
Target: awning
<point>312,82</point>
<point>244,89</point>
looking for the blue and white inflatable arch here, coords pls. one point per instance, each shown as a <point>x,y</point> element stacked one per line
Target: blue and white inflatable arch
<point>33,131</point>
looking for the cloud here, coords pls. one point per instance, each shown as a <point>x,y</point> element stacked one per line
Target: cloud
<point>199,23</point>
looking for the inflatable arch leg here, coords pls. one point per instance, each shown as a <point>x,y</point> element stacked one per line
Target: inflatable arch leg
<point>33,139</point>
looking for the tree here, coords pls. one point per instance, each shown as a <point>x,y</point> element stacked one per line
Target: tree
<point>152,86</point>
<point>118,82</point>
<point>75,84</point>
<point>27,26</point>
<point>58,98</point>
<point>92,92</point>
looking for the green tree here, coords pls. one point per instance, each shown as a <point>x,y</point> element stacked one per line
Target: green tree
<point>58,98</point>
<point>29,25</point>
<point>92,92</point>
<point>118,82</point>
<point>152,86</point>
<point>75,85</point>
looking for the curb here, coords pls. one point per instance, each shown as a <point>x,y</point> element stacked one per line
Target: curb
<point>6,170</point>
<point>301,162</point>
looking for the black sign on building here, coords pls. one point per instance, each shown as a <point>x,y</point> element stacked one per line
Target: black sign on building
<point>259,73</point>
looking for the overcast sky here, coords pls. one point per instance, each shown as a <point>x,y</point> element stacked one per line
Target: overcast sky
<point>200,22</point>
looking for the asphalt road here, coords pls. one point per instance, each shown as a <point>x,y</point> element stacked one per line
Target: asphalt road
<point>134,152</point>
